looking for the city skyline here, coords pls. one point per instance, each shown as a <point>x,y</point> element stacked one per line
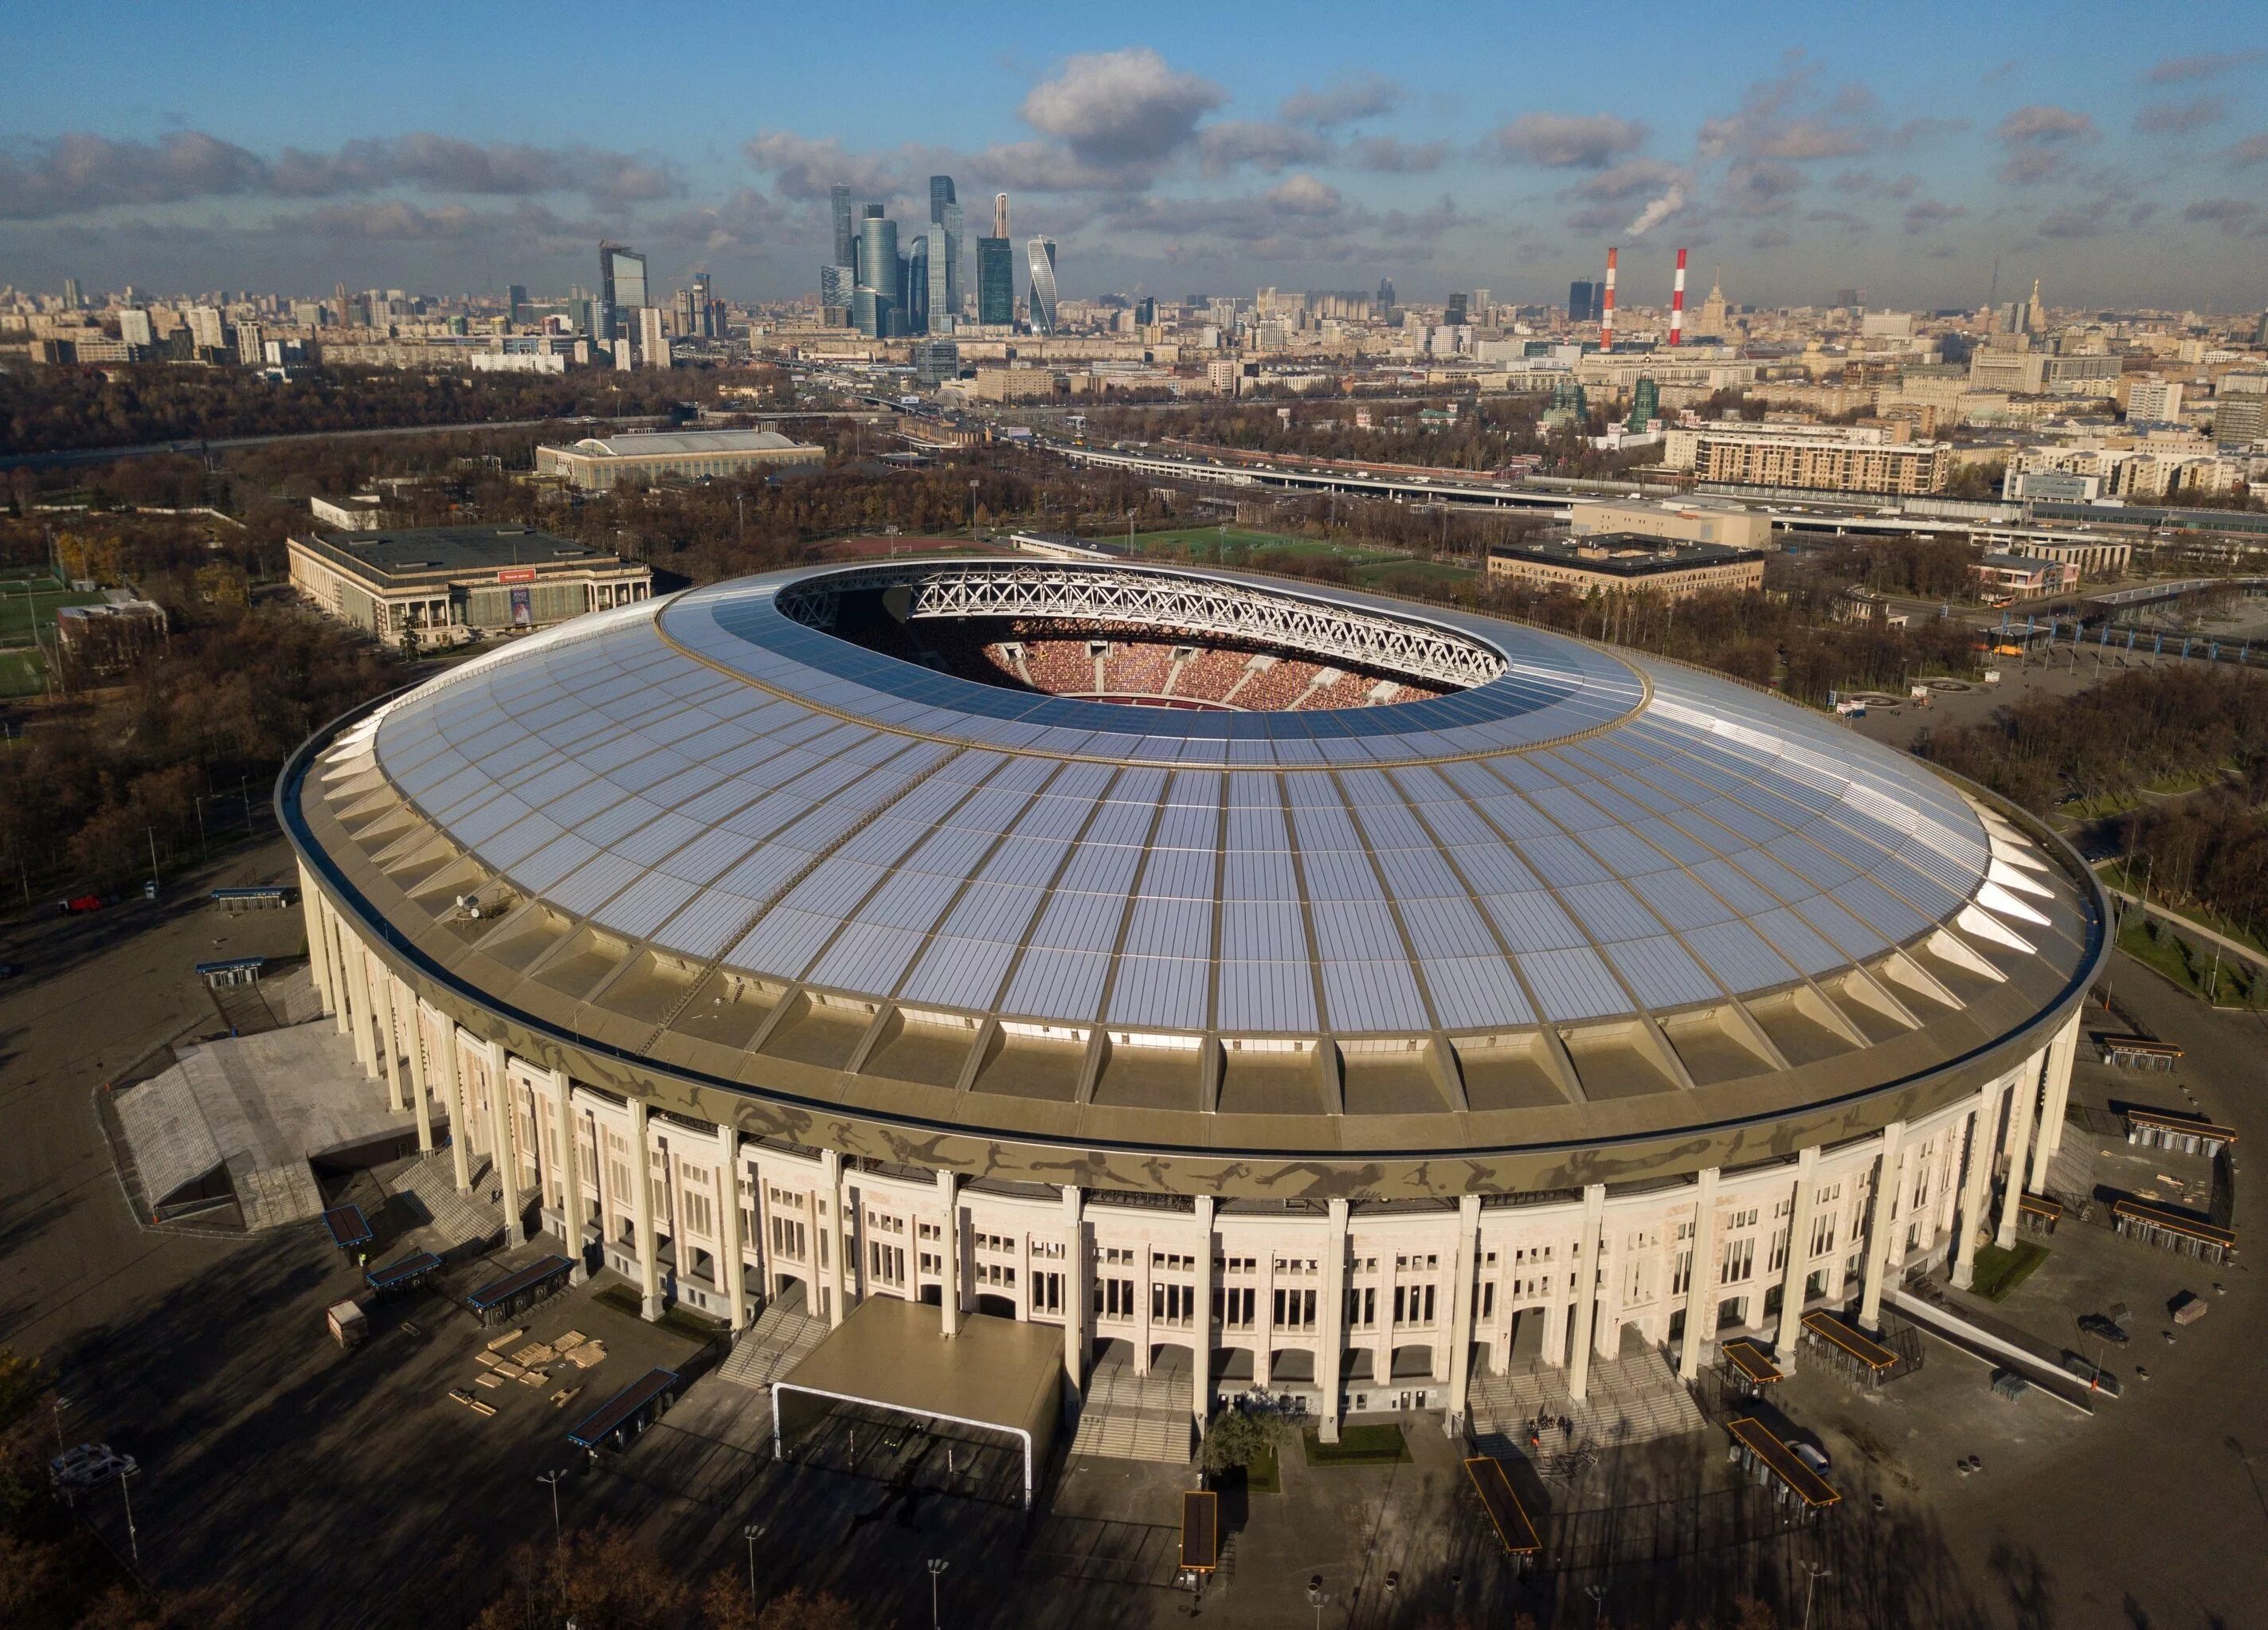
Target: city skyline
<point>1161,161</point>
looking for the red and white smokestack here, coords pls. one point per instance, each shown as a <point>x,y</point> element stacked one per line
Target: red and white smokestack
<point>1677,304</point>
<point>1607,306</point>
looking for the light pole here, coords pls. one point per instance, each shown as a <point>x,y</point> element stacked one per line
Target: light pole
<point>1316,1598</point>
<point>558,1535</point>
<point>1813,1574</point>
<point>753,1532</point>
<point>133,1539</point>
<point>1598,1594</point>
<point>936,1568</point>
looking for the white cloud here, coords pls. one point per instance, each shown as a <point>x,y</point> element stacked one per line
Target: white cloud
<point>1567,141</point>
<point>1118,107</point>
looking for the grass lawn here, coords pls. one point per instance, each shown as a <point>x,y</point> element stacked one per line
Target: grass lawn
<point>1265,1474</point>
<point>1358,1446</point>
<point>23,672</point>
<point>1236,546</point>
<point>2117,875</point>
<point>28,606</point>
<point>1999,1272</point>
<point>2158,948</point>
<point>1390,574</point>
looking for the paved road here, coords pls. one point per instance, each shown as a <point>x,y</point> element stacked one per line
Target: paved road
<point>221,443</point>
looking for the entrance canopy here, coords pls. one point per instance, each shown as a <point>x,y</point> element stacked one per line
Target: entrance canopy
<point>996,1375</point>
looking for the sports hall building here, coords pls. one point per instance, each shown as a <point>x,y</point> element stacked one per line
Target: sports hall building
<point>1267,986</point>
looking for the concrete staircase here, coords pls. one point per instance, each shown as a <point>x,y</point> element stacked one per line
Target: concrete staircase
<point>1633,1399</point>
<point>775,1345</point>
<point>458,1219</point>
<point>1132,1417</point>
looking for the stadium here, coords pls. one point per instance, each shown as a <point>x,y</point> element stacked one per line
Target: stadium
<point>1269,986</point>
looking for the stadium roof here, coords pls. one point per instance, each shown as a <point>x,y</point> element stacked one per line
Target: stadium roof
<point>684,444</point>
<point>1594,886</point>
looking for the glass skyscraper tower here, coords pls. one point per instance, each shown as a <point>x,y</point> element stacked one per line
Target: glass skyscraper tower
<point>1043,257</point>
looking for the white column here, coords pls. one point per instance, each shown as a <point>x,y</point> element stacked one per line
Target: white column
<point>1881,1224</point>
<point>341,986</point>
<point>2022,1101</point>
<point>948,1196</point>
<point>728,1196</point>
<point>830,1176</point>
<point>1976,1184</point>
<point>357,1006</point>
<point>642,1212</point>
<point>1201,1347</point>
<point>1075,1280</point>
<point>318,960</point>
<point>2055,1099</point>
<point>1331,1356</point>
<point>1587,1289</point>
<point>1701,1284</point>
<point>502,1158</point>
<point>1797,1267</point>
<point>570,1165</point>
<point>418,1096</point>
<point>388,1037</point>
<point>1460,1310</point>
<point>453,1083</point>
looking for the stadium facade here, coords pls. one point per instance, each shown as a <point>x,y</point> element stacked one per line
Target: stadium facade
<point>1357,997</point>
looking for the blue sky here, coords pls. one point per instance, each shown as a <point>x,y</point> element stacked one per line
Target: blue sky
<point>1169,148</point>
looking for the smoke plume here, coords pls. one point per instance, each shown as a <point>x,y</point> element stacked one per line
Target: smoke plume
<point>1656,212</point>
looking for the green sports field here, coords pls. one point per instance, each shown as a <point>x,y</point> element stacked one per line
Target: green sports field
<point>29,599</point>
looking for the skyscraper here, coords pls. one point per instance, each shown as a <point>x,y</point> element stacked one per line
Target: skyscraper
<point>515,300</point>
<point>945,257</point>
<point>1385,296</point>
<point>916,279</point>
<point>1000,215</point>
<point>940,308</point>
<point>1582,300</point>
<point>1454,314</point>
<point>704,306</point>
<point>622,289</point>
<point>880,275</point>
<point>71,300</point>
<point>996,281</point>
<point>1040,252</point>
<point>846,239</point>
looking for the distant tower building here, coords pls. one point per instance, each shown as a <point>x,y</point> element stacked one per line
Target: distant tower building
<point>71,300</point>
<point>1145,311</point>
<point>846,233</point>
<point>1041,254</point>
<point>939,295</point>
<point>1645,405</point>
<point>996,280</point>
<point>515,301</point>
<point>2035,315</point>
<point>1716,319</point>
<point>653,339</point>
<point>1385,296</point>
<point>1000,215</point>
<point>1453,315</point>
<point>879,308</point>
<point>944,254</point>
<point>621,290</point>
<point>917,280</point>
<point>1482,305</point>
<point>704,306</point>
<point>1582,300</point>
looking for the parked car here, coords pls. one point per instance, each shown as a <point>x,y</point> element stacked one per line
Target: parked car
<point>2103,1329</point>
<point>79,903</point>
<point>1813,1456</point>
<point>90,1465</point>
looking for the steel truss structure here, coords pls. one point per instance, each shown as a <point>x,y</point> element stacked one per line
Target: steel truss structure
<point>1150,599</point>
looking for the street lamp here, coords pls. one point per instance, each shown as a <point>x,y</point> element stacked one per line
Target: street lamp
<point>753,1532</point>
<point>1598,1594</point>
<point>1316,1598</point>
<point>1814,1574</point>
<point>558,1535</point>
<point>935,1567</point>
